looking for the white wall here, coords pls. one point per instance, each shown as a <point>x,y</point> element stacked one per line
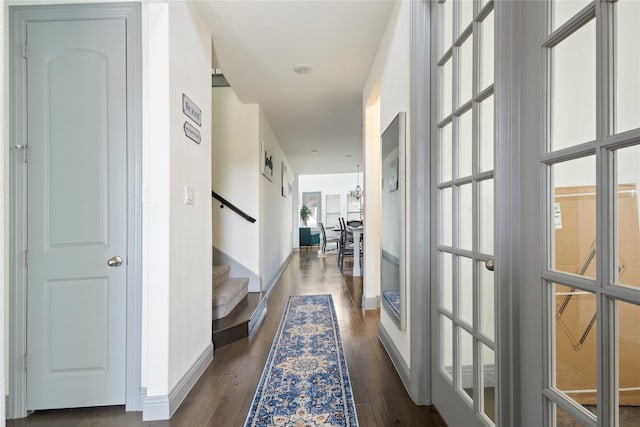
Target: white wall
<point>236,177</point>
<point>391,68</point>
<point>156,218</point>
<point>190,237</point>
<point>329,184</point>
<point>276,230</point>
<point>372,244</point>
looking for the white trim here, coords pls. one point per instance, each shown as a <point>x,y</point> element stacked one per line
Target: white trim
<point>370,303</point>
<point>394,355</point>
<point>507,101</point>
<point>155,408</point>
<point>419,210</point>
<point>163,407</point>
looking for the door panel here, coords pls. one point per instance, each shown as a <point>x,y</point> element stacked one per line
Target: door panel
<point>76,80</point>
<point>464,372</point>
<point>581,140</point>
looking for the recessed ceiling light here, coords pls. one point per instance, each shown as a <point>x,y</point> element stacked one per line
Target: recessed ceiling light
<point>348,155</point>
<point>314,151</point>
<point>302,68</point>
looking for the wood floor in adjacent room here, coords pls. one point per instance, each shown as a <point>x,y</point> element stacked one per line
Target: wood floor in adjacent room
<point>223,395</point>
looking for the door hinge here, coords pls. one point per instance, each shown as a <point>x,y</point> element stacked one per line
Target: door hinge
<point>25,50</point>
<point>26,254</point>
<point>25,149</point>
<point>25,360</point>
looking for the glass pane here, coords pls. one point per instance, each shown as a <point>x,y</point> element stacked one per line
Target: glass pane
<point>465,67</point>
<point>575,329</point>
<point>629,364</point>
<point>465,289</point>
<point>465,360</point>
<point>446,344</point>
<point>446,89</point>
<point>446,154</point>
<point>573,94</point>
<point>465,217</point>
<point>447,25</point>
<point>466,15</point>
<point>627,170</point>
<point>486,216</point>
<point>565,420</point>
<point>446,232</point>
<point>486,51</point>
<point>486,135</point>
<point>562,10</point>
<point>446,280</point>
<point>627,65</point>
<point>465,144</point>
<point>487,301</point>
<point>574,216</point>
<point>488,360</point>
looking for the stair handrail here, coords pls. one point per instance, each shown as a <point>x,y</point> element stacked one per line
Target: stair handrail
<point>224,202</point>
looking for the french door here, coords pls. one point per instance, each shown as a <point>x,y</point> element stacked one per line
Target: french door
<point>581,177</point>
<point>464,364</point>
<point>575,308</point>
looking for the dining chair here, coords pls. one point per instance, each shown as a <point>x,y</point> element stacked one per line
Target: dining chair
<point>326,240</point>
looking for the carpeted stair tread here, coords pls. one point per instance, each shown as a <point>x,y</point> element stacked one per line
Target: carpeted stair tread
<point>227,295</point>
<point>220,274</point>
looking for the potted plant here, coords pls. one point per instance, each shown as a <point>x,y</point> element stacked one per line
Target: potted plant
<point>305,213</point>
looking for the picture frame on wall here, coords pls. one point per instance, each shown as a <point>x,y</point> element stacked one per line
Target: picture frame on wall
<point>266,162</point>
<point>283,180</point>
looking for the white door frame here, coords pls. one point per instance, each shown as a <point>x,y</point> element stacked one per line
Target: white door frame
<point>18,18</point>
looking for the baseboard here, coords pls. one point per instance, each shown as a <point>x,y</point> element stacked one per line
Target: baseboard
<point>155,408</point>
<point>236,269</point>
<point>163,407</point>
<point>259,314</point>
<point>370,303</point>
<point>276,276</point>
<point>394,355</point>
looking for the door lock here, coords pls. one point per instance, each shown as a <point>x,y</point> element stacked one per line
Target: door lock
<point>115,261</point>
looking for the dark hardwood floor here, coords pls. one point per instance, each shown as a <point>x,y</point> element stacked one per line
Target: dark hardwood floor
<point>223,395</point>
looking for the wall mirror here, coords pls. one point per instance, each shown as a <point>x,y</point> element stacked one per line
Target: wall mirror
<point>392,283</point>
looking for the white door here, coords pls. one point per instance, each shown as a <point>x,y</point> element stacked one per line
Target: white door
<point>464,371</point>
<point>581,175</point>
<point>77,176</point>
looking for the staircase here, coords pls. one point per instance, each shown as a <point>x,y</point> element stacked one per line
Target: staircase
<point>227,293</point>
<point>235,311</point>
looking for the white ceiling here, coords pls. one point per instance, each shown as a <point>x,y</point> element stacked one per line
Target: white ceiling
<point>256,45</point>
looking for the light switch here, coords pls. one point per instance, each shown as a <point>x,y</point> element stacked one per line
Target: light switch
<point>188,195</point>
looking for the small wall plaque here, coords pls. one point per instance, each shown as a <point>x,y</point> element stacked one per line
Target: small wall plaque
<point>191,110</point>
<point>192,132</point>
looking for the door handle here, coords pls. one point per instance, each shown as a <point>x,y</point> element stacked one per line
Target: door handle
<point>489,264</point>
<point>115,261</point>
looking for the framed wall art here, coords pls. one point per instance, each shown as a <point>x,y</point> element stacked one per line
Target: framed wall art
<point>266,162</point>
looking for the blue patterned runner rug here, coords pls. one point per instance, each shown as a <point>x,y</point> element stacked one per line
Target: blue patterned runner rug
<point>305,381</point>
